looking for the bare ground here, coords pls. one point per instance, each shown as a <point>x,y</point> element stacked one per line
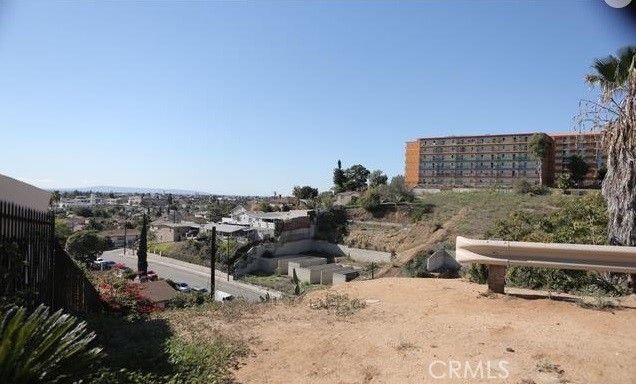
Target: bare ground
<point>409,324</point>
<point>414,330</point>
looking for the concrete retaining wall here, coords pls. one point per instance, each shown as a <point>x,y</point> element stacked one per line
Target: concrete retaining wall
<point>343,277</point>
<point>313,274</point>
<point>326,277</point>
<point>295,248</point>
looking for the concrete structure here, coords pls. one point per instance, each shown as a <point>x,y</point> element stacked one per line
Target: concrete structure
<point>500,254</point>
<point>492,160</point>
<point>312,275</point>
<point>304,262</point>
<point>442,260</point>
<point>326,277</point>
<point>342,276</point>
<point>23,194</point>
<point>282,264</point>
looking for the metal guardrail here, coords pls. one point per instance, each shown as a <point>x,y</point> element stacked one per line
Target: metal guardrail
<point>546,255</point>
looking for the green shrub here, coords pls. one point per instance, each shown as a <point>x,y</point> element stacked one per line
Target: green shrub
<point>203,362</point>
<point>44,347</point>
<point>477,273</point>
<point>338,303</point>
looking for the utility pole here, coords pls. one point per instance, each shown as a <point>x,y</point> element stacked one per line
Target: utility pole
<point>212,262</point>
<point>228,258</point>
<point>125,230</point>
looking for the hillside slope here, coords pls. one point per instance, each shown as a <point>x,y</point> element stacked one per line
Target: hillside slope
<point>409,324</point>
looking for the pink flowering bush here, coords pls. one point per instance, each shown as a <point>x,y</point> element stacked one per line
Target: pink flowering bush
<point>123,296</point>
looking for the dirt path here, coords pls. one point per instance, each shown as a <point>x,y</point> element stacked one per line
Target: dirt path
<point>416,330</point>
<point>407,255</point>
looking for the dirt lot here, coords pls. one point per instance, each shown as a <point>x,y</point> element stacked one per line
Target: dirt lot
<point>437,331</point>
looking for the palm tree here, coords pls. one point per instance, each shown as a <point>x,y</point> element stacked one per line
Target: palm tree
<point>616,77</point>
<point>540,145</point>
<point>615,115</point>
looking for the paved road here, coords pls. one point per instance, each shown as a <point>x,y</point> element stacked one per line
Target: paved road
<point>193,274</point>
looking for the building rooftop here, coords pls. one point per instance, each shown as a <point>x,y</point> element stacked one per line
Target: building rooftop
<point>225,228</point>
<point>178,224</point>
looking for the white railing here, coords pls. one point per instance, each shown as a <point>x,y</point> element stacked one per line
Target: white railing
<point>546,255</point>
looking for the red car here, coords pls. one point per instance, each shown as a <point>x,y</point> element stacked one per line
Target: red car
<point>152,275</point>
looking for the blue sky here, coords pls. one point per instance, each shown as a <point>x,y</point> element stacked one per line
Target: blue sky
<point>251,97</point>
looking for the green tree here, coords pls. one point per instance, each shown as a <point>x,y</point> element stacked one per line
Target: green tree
<point>565,182</point>
<point>377,178</point>
<point>398,191</point>
<point>615,115</point>
<point>356,178</point>
<point>85,246</point>
<point>62,231</point>
<point>142,252</point>
<point>44,347</point>
<point>578,169</point>
<point>326,199</point>
<point>94,225</point>
<point>305,192</point>
<point>83,211</point>
<point>264,206</point>
<point>339,178</point>
<point>370,200</point>
<point>540,145</point>
<point>55,198</point>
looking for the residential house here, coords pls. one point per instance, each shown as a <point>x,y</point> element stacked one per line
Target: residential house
<point>170,231</point>
<point>346,198</point>
<point>119,237</point>
<point>240,233</point>
<point>271,224</point>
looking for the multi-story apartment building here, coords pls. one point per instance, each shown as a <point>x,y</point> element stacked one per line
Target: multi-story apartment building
<point>490,160</point>
<point>586,145</point>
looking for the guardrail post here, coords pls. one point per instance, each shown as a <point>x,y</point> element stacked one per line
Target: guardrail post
<point>496,278</point>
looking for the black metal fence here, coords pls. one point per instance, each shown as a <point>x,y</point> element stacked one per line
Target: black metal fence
<point>31,261</point>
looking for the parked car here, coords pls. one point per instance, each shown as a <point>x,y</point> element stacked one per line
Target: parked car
<point>101,264</point>
<point>199,289</point>
<point>183,287</point>
<point>152,276</point>
<point>222,296</point>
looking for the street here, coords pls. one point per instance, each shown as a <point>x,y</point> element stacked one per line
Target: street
<point>192,274</point>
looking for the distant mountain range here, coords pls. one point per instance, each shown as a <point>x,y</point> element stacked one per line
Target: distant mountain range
<point>108,189</point>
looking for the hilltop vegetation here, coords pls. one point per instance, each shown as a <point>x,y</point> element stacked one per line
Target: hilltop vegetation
<point>413,224</point>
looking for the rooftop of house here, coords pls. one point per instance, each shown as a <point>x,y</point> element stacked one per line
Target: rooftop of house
<point>121,232</point>
<point>171,224</point>
<point>288,215</point>
<point>157,291</point>
<point>225,228</point>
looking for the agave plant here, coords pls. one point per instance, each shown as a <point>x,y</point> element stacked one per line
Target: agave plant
<point>44,347</point>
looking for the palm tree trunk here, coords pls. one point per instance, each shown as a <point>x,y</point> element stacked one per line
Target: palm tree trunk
<point>619,185</point>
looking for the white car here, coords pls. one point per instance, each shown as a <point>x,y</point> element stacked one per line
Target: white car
<point>183,287</point>
<point>222,296</point>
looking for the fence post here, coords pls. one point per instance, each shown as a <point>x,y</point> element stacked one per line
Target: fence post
<point>496,278</point>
